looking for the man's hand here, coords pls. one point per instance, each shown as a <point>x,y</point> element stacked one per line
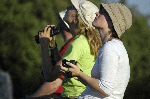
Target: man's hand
<point>46,33</point>
<point>53,42</point>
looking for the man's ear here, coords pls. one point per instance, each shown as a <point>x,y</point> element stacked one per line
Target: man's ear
<point>109,32</point>
<point>75,21</point>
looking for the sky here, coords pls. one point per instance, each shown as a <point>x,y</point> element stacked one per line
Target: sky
<point>142,5</point>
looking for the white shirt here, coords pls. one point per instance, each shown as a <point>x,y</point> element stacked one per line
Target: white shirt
<point>113,71</point>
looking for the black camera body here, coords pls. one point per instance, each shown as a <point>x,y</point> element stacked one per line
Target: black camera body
<point>71,61</point>
<point>54,31</point>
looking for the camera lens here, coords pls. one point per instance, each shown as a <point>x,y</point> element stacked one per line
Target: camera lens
<point>55,30</point>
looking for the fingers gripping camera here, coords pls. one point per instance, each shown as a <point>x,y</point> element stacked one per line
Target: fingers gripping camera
<point>68,73</point>
<point>54,31</point>
<point>71,61</point>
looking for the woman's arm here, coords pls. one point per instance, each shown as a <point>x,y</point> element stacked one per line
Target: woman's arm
<point>107,72</point>
<point>91,82</point>
<point>87,80</point>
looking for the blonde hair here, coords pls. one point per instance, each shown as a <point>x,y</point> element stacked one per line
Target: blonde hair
<point>92,35</point>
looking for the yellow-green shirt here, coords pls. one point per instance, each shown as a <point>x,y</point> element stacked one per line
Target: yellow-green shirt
<point>78,50</point>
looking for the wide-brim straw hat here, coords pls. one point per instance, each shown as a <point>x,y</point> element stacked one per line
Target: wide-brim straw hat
<point>86,10</point>
<point>120,15</point>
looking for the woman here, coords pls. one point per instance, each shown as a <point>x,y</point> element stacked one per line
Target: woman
<point>111,72</point>
<point>83,49</point>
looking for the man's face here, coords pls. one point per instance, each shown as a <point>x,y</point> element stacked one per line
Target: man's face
<point>70,16</point>
<point>71,19</point>
<point>62,25</point>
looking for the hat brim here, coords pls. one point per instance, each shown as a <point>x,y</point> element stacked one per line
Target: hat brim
<point>86,11</point>
<point>62,15</point>
<point>75,3</point>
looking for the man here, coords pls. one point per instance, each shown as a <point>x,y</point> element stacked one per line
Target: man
<point>55,87</point>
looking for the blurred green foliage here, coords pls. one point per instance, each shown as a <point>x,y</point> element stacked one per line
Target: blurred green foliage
<point>137,44</point>
<point>20,20</point>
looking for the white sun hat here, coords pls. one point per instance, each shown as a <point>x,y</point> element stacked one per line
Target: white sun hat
<point>86,10</point>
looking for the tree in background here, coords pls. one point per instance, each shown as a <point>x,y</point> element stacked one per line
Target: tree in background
<point>21,57</point>
<point>19,53</point>
<point>138,47</point>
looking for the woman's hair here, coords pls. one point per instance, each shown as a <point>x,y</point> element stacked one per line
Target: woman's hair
<point>92,36</point>
<point>110,23</point>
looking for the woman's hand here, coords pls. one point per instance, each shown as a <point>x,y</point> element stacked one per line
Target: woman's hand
<point>73,68</point>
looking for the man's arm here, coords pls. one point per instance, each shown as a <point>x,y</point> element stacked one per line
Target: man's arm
<point>50,72</point>
<point>48,88</point>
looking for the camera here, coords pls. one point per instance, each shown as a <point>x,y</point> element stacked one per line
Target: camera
<point>71,61</point>
<point>54,31</point>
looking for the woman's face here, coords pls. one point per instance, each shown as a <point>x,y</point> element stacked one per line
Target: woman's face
<point>100,20</point>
